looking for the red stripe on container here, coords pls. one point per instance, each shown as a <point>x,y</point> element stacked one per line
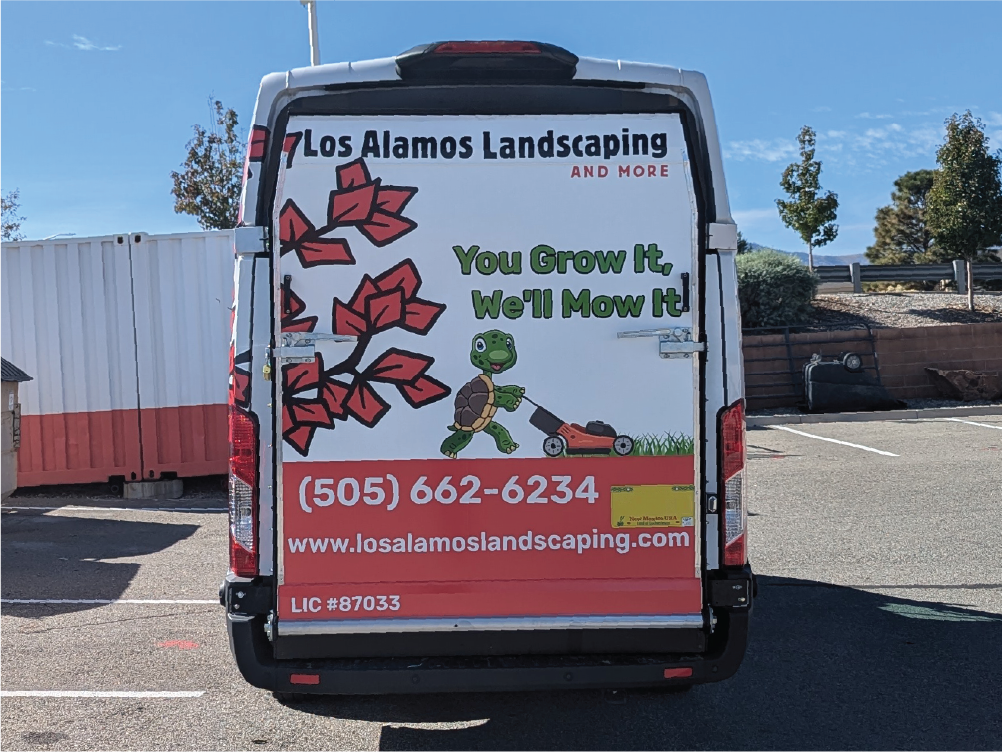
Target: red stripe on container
<point>78,447</point>
<point>93,447</point>
<point>189,441</point>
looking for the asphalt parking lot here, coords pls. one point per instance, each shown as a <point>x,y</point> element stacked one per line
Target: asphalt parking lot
<point>877,624</point>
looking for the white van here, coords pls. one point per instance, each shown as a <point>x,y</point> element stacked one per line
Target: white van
<point>486,402</point>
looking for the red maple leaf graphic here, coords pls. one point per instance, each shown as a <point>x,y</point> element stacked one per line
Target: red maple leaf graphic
<point>312,397</point>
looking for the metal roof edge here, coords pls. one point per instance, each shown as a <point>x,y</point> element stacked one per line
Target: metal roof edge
<point>11,372</point>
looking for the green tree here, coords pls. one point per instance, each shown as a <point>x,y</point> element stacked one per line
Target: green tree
<point>10,205</point>
<point>742,244</point>
<point>964,206</point>
<point>902,234</point>
<point>809,213</point>
<point>208,186</point>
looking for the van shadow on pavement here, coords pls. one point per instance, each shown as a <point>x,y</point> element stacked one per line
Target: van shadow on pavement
<point>48,556</point>
<point>828,667</point>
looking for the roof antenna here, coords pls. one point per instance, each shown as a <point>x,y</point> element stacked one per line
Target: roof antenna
<point>311,8</point>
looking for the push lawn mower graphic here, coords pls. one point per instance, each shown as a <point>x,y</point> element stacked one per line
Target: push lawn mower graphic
<point>594,438</point>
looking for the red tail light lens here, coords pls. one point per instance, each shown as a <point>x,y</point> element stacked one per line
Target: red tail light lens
<point>497,48</point>
<point>732,471</point>
<point>243,493</point>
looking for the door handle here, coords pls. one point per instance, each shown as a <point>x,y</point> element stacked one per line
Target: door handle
<point>300,347</point>
<point>672,343</point>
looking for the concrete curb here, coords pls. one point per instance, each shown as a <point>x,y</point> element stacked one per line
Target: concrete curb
<point>753,421</point>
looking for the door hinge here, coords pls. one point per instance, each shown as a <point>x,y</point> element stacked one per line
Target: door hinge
<point>722,236</point>
<point>672,343</point>
<point>250,240</point>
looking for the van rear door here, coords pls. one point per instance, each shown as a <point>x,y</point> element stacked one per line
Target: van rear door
<point>489,361</point>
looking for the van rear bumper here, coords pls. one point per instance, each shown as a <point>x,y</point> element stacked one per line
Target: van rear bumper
<point>255,659</point>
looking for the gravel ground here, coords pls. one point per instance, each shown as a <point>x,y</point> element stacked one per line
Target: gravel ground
<point>903,309</point>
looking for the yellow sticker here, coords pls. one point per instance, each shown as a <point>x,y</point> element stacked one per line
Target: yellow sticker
<point>653,506</point>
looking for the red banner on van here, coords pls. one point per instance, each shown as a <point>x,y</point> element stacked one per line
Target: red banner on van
<point>484,538</point>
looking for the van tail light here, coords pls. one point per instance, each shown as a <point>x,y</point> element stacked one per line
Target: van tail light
<point>732,437</point>
<point>243,493</point>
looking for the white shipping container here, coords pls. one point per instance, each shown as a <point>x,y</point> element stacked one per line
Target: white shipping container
<point>183,286</point>
<point>127,336</point>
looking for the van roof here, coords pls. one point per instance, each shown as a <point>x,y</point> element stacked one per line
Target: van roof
<point>278,89</point>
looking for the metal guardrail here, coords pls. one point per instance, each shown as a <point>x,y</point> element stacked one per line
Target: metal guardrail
<point>857,274</point>
<point>907,272</point>
<point>834,273</point>
<point>987,271</point>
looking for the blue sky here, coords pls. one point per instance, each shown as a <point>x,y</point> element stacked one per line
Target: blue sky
<point>98,99</point>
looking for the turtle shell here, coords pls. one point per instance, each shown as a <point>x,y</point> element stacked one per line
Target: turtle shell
<point>475,406</point>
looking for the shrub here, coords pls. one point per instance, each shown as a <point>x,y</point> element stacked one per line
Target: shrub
<point>775,289</point>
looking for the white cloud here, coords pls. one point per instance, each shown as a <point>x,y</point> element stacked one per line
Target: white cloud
<point>752,217</point>
<point>896,140</point>
<point>995,118</point>
<point>7,87</point>
<point>927,113</point>
<point>872,143</point>
<point>769,151</point>
<point>83,43</point>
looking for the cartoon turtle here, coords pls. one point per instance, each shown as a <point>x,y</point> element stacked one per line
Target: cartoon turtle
<point>493,352</point>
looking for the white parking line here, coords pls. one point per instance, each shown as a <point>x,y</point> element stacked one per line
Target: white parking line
<point>106,601</point>
<point>836,441</point>
<point>56,693</point>
<point>972,423</point>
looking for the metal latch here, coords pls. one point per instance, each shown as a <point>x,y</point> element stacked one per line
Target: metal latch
<point>300,347</point>
<point>672,343</point>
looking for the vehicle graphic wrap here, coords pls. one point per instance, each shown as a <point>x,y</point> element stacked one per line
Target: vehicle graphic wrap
<point>493,417</point>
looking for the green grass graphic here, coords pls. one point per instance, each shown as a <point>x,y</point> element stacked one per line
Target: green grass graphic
<point>663,445</point>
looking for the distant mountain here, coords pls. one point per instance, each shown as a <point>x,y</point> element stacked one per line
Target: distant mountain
<point>819,260</point>
<point>852,258</point>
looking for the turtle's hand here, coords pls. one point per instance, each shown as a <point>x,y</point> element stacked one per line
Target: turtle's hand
<point>509,397</point>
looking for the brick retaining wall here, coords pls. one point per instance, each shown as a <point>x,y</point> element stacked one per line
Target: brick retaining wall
<point>901,354</point>
<point>905,353</point>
